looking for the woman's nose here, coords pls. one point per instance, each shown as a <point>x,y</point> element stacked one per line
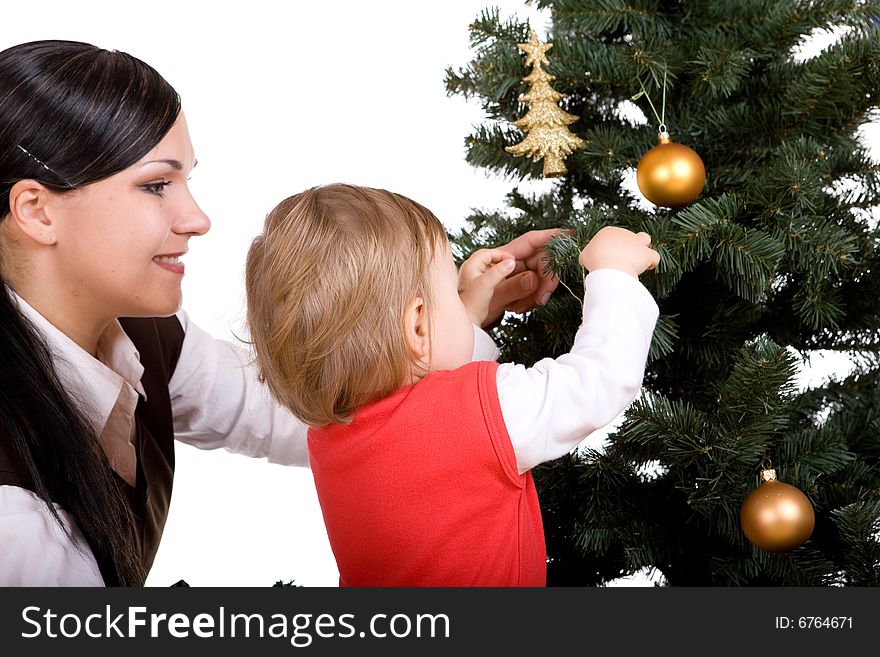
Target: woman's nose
<point>192,221</point>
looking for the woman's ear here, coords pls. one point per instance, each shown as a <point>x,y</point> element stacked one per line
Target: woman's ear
<point>416,329</point>
<point>29,211</point>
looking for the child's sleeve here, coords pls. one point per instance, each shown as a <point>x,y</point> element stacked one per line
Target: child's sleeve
<point>484,347</point>
<point>552,406</point>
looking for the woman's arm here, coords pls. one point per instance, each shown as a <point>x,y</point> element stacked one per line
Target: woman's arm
<point>36,551</point>
<point>218,401</point>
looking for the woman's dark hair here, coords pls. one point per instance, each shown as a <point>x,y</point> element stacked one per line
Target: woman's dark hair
<point>71,114</point>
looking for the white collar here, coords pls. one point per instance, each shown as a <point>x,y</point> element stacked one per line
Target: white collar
<point>95,383</point>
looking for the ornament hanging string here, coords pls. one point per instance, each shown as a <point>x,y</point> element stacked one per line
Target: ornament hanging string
<point>576,297</point>
<point>661,118</point>
<point>575,245</point>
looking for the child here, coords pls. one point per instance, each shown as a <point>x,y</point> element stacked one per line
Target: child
<point>420,457</point>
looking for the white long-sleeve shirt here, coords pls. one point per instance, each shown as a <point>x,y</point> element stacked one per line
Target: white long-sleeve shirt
<point>552,406</point>
<point>217,402</point>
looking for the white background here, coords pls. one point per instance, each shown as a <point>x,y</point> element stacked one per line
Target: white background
<point>280,96</point>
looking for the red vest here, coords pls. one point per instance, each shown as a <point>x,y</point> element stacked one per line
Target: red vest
<point>421,489</point>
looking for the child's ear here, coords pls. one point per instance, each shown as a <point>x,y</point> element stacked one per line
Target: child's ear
<point>28,209</point>
<point>416,329</point>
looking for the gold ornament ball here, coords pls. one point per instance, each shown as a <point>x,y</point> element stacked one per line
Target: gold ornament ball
<point>670,174</point>
<point>776,517</point>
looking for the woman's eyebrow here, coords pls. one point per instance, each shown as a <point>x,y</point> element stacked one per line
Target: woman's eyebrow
<point>174,164</point>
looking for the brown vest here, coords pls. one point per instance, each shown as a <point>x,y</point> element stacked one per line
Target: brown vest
<point>158,340</point>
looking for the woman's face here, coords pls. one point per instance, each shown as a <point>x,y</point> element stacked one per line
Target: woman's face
<point>120,240</point>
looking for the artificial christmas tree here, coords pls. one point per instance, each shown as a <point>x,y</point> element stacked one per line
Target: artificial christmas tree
<point>778,256</point>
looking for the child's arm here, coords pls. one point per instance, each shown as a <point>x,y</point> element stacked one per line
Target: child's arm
<point>551,407</point>
<point>478,280</point>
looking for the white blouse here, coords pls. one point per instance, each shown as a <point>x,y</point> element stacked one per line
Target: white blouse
<point>218,402</point>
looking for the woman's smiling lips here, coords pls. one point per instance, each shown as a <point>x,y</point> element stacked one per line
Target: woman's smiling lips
<point>170,262</point>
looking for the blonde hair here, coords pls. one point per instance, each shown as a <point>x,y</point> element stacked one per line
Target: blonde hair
<point>327,285</point>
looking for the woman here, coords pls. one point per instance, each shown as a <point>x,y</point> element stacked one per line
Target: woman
<point>101,371</point>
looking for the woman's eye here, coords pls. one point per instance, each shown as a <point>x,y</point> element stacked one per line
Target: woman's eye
<point>156,188</point>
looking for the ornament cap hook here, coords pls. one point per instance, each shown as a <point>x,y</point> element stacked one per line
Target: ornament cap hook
<point>663,136</point>
<point>768,474</point>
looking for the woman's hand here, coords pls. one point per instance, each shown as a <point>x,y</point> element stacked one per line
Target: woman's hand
<point>527,286</point>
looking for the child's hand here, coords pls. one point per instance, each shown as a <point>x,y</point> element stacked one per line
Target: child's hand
<point>531,283</point>
<point>619,248</point>
<point>478,277</point>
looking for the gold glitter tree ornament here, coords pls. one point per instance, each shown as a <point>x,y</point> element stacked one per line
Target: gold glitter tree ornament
<point>546,124</point>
